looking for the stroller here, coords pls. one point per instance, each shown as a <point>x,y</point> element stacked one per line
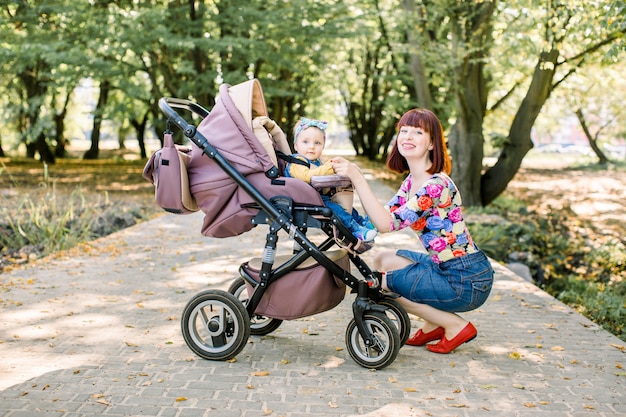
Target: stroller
<point>235,176</point>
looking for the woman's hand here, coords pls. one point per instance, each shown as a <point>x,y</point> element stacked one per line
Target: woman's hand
<point>342,166</point>
<point>376,211</point>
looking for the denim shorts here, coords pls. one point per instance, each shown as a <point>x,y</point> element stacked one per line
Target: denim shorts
<point>458,285</point>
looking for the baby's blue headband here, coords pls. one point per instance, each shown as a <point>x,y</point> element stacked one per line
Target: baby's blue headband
<point>305,123</point>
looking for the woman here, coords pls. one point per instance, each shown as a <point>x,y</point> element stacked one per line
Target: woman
<point>454,276</point>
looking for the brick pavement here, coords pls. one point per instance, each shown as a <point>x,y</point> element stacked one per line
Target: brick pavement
<point>96,332</point>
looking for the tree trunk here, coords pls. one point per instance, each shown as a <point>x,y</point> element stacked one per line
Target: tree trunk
<point>59,123</point>
<point>42,147</point>
<point>593,141</point>
<point>103,97</point>
<point>416,67</point>
<point>140,128</point>
<point>466,136</point>
<point>496,178</point>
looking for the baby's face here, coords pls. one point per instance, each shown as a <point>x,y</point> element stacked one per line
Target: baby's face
<point>310,143</point>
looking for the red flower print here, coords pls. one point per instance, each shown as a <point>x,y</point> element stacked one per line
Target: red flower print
<point>419,224</point>
<point>424,202</point>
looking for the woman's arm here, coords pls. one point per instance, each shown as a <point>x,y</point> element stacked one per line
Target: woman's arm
<point>377,212</point>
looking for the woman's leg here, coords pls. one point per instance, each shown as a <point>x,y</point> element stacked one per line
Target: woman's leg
<point>433,318</point>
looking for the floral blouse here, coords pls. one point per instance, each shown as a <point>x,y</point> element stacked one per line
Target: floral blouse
<point>434,213</point>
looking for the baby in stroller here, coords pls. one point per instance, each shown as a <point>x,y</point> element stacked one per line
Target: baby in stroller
<point>309,142</point>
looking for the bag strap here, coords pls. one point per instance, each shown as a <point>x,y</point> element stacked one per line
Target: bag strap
<point>292,159</point>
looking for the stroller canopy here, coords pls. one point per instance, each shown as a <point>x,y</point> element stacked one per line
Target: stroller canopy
<point>238,126</point>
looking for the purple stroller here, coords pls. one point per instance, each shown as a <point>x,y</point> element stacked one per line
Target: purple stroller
<point>235,176</point>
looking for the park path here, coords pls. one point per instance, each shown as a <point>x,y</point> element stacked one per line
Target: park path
<point>95,331</point>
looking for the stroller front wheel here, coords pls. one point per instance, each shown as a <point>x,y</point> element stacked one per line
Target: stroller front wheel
<point>386,344</point>
<point>215,325</point>
<point>399,317</point>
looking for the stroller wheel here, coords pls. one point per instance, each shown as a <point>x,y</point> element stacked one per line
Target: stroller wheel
<point>215,325</point>
<point>386,341</point>
<point>399,317</point>
<point>259,325</point>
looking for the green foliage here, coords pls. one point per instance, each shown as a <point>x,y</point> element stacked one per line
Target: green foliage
<point>602,303</point>
<point>589,275</point>
<point>55,222</point>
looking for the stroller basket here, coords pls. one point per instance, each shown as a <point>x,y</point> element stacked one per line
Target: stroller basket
<point>309,278</point>
<point>247,190</point>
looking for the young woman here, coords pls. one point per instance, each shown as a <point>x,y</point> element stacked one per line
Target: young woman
<point>454,275</point>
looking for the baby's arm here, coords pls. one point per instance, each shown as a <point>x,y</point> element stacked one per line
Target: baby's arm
<point>303,173</point>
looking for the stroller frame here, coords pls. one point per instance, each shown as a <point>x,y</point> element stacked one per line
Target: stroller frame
<point>380,326</point>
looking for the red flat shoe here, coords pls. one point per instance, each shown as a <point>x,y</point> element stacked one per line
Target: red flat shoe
<point>446,346</point>
<point>420,338</point>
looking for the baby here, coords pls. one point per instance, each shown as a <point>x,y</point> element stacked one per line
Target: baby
<point>309,141</point>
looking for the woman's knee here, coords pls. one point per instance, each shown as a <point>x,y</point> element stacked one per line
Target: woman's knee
<point>380,259</point>
<point>388,260</point>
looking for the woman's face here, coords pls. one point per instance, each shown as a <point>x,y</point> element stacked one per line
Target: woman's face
<point>310,143</point>
<point>413,142</point>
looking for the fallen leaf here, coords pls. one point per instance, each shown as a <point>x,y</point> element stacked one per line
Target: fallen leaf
<point>618,365</point>
<point>267,412</point>
<point>619,347</point>
<point>261,373</point>
<point>410,389</point>
<point>458,405</point>
<point>515,355</point>
<point>557,348</point>
<point>392,380</point>
<point>530,405</point>
<point>589,407</point>
<point>518,386</point>
<point>179,399</point>
<point>131,344</point>
<point>331,404</point>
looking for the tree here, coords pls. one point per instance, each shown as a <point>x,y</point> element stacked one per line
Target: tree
<point>479,41</point>
<point>572,36</point>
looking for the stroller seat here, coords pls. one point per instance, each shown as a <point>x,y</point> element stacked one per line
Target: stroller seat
<point>240,129</point>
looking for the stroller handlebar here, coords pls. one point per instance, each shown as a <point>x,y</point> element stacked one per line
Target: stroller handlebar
<point>168,104</point>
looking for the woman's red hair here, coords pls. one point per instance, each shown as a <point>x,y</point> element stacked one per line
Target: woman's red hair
<point>424,119</point>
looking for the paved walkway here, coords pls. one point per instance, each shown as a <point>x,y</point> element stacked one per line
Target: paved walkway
<point>96,332</point>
